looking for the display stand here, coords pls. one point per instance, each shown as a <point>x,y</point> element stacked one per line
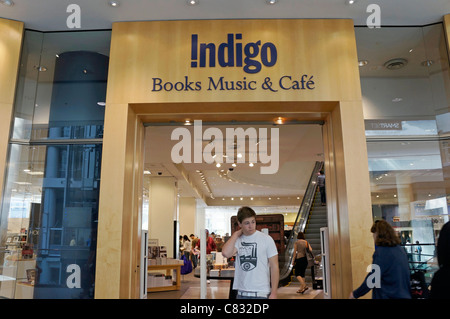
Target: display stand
<point>169,269</point>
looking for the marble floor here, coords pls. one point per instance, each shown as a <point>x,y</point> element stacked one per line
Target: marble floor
<point>219,289</point>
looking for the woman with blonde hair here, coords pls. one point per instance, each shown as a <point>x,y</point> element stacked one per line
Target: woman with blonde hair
<point>390,276</point>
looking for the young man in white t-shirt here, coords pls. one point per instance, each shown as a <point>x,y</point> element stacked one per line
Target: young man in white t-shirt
<point>256,269</point>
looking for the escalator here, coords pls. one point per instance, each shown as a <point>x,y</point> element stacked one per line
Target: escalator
<point>310,218</point>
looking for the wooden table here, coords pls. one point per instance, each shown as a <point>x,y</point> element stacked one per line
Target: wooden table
<point>169,269</point>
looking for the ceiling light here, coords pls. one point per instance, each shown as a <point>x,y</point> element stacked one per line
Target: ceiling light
<point>395,64</point>
<point>271,1</point>
<point>234,164</point>
<point>363,62</point>
<point>192,2</point>
<point>250,164</point>
<point>279,120</point>
<point>218,165</point>
<point>8,3</point>
<point>427,63</point>
<point>113,3</point>
<point>350,1</point>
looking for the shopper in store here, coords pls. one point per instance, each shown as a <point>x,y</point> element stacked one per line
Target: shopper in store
<point>440,283</point>
<point>300,261</point>
<point>321,184</point>
<point>256,271</point>
<point>194,250</point>
<point>210,243</point>
<point>187,246</point>
<point>390,275</point>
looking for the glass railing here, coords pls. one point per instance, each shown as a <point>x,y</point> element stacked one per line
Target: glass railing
<point>285,261</point>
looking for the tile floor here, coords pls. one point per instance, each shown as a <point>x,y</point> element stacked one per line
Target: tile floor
<point>219,289</point>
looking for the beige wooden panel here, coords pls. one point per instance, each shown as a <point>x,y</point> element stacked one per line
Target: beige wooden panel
<point>142,50</point>
<point>11,33</point>
<point>355,209</point>
<point>119,228</point>
<point>324,49</point>
<point>447,28</point>
<point>111,207</point>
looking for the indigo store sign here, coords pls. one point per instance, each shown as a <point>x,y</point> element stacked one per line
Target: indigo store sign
<point>251,57</point>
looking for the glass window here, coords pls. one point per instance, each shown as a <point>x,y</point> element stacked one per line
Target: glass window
<point>50,205</point>
<point>406,90</point>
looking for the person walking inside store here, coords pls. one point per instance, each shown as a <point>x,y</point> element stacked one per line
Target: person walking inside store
<point>187,246</point>
<point>321,184</point>
<point>441,278</point>
<point>194,250</point>
<point>300,261</point>
<point>210,243</point>
<point>256,271</point>
<point>390,279</point>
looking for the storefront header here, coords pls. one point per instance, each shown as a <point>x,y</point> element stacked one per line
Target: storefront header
<point>233,60</point>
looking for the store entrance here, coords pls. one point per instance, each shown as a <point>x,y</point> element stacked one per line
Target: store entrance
<point>199,173</point>
<point>123,179</point>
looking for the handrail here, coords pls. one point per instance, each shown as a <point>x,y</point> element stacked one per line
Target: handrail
<point>300,221</point>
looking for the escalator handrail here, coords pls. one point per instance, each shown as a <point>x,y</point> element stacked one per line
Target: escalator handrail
<point>300,220</point>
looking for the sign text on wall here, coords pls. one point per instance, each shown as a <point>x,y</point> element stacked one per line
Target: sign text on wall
<point>250,56</point>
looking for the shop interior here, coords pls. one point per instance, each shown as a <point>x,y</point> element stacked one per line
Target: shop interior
<point>210,191</point>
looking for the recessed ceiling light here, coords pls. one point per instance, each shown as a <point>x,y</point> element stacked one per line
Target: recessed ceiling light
<point>192,2</point>
<point>363,62</point>
<point>427,63</point>
<point>271,1</point>
<point>350,1</point>
<point>8,3</point>
<point>397,99</point>
<point>113,3</point>
<point>396,64</point>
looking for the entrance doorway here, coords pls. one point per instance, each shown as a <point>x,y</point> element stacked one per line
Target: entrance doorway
<point>199,174</point>
<point>122,182</point>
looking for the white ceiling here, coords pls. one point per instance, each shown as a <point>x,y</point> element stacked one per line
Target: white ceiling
<point>51,15</point>
<point>300,146</point>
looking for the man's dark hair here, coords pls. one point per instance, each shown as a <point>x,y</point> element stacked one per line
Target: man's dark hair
<point>245,212</point>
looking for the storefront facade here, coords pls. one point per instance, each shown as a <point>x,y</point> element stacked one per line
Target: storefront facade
<point>218,70</point>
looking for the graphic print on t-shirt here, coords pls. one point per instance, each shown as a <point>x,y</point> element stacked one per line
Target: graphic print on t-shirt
<point>247,256</point>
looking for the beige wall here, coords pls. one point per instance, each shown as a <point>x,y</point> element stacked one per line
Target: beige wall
<point>162,208</point>
<point>324,49</point>
<point>187,215</point>
<point>11,34</point>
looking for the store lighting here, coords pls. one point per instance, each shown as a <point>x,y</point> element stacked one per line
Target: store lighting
<point>192,2</point>
<point>271,1</point>
<point>363,63</point>
<point>8,3</point>
<point>113,4</point>
<point>279,120</point>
